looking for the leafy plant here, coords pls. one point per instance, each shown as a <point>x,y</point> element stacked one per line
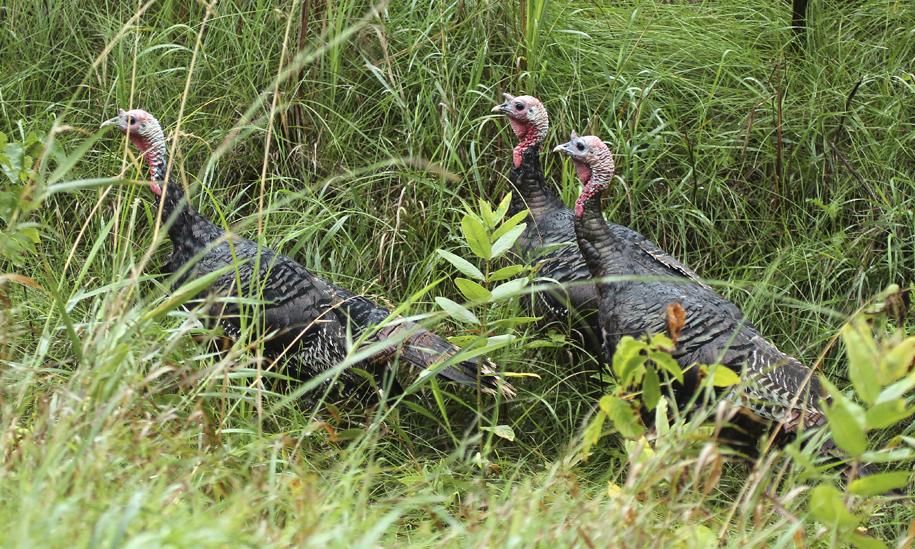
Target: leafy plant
<point>18,236</point>
<point>638,367</point>
<point>489,237</point>
<point>881,367</point>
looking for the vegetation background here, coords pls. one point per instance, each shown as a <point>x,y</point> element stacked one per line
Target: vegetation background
<point>345,135</point>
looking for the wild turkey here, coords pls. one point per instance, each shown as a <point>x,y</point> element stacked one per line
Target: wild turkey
<point>779,388</point>
<point>305,317</point>
<point>552,223</point>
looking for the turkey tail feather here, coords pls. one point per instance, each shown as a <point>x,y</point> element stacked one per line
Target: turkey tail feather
<point>423,349</point>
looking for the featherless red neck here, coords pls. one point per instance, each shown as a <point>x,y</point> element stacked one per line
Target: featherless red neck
<point>529,121</point>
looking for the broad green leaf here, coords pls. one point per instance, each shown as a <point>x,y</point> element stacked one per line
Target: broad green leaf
<point>661,341</point>
<point>898,389</point>
<point>10,248</point>
<point>494,342</point>
<point>465,267</point>
<point>862,361</point>
<point>503,431</point>
<point>463,341</point>
<point>12,164</point>
<point>847,432</point>
<point>889,456</point>
<point>24,241</point>
<point>860,541</point>
<point>639,450</point>
<point>502,209</point>
<point>472,291</point>
<point>897,361</point>
<point>695,536</point>
<point>827,506</point>
<point>833,391</point>
<point>624,415</point>
<point>31,233</point>
<point>509,225</point>
<point>874,485</point>
<point>665,362</point>
<point>469,210</point>
<point>506,272</point>
<point>543,343</point>
<point>887,413</point>
<point>507,240</point>
<point>457,311</point>
<point>722,376</point>
<point>508,289</point>
<point>32,144</point>
<point>486,213</point>
<point>476,237</point>
<point>605,402</point>
<point>348,434</point>
<point>651,388</point>
<point>628,358</point>
<point>592,432</point>
<point>661,421</point>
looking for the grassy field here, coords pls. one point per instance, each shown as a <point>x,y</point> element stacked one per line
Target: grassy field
<point>346,135</point>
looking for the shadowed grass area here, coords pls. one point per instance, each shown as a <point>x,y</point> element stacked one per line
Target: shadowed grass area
<point>787,176</point>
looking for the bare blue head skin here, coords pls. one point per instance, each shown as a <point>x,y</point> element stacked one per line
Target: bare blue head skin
<point>144,132</point>
<point>594,164</point>
<point>529,121</point>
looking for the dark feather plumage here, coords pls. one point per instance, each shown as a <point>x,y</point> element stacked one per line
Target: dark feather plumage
<point>777,389</point>
<point>305,319</point>
<point>574,301</point>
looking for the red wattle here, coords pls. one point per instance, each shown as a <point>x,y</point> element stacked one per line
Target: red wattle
<point>584,172</point>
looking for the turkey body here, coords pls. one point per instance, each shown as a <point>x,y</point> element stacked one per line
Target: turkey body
<point>552,223</point>
<point>550,241</point>
<point>304,319</point>
<point>778,387</point>
<point>775,387</point>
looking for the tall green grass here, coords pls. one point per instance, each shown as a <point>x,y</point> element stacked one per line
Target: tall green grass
<point>787,176</point>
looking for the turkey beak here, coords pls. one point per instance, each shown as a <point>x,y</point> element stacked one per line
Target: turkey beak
<point>564,148</point>
<point>116,122</point>
<point>504,108</point>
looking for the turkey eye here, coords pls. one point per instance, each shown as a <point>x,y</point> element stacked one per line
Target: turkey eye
<point>132,120</point>
<point>519,106</point>
<point>580,147</point>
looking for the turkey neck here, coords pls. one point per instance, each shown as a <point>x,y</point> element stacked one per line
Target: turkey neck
<point>189,231</point>
<point>595,239</point>
<point>530,191</point>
